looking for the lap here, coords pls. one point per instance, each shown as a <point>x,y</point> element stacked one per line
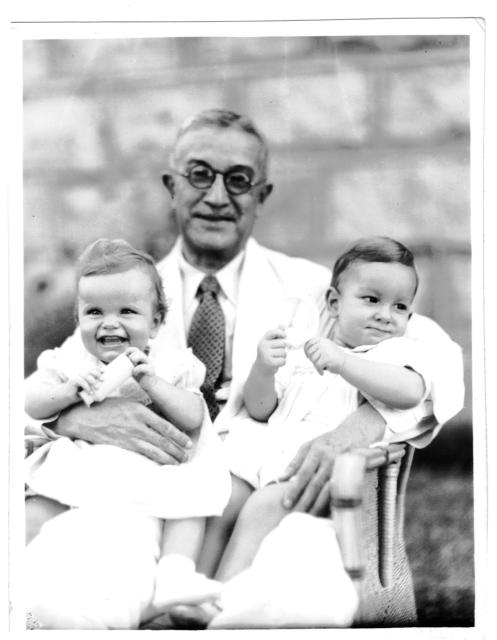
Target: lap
<point>38,511</point>
<point>93,569</point>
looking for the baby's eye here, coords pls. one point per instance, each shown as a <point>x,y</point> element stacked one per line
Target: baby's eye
<point>371,299</point>
<point>127,311</point>
<point>93,312</point>
<point>401,306</point>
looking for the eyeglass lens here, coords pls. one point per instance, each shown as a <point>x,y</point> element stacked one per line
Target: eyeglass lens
<point>236,181</point>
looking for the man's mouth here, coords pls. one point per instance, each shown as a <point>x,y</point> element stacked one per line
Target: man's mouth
<point>111,341</point>
<point>208,217</point>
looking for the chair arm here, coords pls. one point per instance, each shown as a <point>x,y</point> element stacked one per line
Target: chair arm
<point>347,490</point>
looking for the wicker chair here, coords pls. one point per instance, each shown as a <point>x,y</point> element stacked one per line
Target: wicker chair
<point>368,489</point>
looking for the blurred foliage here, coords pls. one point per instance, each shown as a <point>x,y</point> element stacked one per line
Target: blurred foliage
<point>440,544</point>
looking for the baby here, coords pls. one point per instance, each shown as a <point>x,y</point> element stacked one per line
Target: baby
<point>292,397</point>
<point>120,308</point>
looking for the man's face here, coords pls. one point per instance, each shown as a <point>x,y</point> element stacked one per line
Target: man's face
<point>213,223</point>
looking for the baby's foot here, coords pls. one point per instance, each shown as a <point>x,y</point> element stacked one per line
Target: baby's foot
<point>177,582</point>
<point>193,616</point>
<point>191,588</point>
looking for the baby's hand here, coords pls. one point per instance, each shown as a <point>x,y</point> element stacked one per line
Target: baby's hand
<point>88,381</point>
<point>271,350</point>
<point>324,355</point>
<point>143,371</point>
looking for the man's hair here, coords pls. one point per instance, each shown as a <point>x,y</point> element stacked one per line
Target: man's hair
<point>373,249</point>
<point>106,256</point>
<point>223,119</point>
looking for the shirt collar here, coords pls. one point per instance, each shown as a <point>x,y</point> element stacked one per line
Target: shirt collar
<point>228,276</point>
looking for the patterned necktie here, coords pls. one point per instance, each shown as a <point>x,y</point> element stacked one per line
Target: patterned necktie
<point>206,338</point>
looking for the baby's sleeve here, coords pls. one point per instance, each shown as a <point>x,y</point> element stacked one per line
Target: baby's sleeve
<point>404,353</point>
<point>181,368</point>
<point>48,371</point>
<point>49,367</point>
<point>403,424</point>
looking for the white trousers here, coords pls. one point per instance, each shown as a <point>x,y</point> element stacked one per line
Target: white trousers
<point>92,568</point>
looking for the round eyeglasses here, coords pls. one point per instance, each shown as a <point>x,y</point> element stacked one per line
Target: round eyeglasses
<point>237,180</point>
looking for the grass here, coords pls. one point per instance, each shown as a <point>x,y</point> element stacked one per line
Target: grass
<point>439,537</point>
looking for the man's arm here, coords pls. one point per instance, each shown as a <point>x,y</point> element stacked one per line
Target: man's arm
<point>309,472</point>
<point>125,424</point>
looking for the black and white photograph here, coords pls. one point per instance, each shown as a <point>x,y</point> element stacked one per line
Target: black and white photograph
<point>222,229</point>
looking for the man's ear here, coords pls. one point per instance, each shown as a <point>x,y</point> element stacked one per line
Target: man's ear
<point>332,298</point>
<point>265,192</point>
<point>168,182</point>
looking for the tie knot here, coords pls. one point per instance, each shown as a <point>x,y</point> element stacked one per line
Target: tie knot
<point>209,285</point>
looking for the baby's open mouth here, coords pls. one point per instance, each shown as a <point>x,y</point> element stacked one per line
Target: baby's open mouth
<point>111,340</point>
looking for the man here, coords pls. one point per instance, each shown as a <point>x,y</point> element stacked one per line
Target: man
<point>218,183</point>
<point>215,237</point>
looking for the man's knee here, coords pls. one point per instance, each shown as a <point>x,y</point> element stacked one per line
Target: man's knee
<point>89,571</point>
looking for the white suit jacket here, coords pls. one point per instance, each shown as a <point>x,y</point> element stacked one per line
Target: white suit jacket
<point>267,278</point>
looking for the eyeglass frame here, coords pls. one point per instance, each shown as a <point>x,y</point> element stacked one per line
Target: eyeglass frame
<point>201,163</point>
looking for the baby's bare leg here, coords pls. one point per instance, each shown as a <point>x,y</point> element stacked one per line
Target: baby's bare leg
<point>262,512</point>
<point>183,537</point>
<point>38,511</point>
<point>219,529</point>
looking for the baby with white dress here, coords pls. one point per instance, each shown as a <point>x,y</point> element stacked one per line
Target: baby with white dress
<point>120,307</point>
<point>293,395</point>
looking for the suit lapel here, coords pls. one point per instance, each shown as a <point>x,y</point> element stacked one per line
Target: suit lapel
<point>173,331</point>
<point>259,294</point>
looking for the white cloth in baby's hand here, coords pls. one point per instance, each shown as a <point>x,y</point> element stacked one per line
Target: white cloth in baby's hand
<point>300,318</point>
<point>113,375</point>
<point>297,579</point>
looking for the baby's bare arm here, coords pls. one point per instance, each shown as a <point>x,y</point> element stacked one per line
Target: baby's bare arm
<point>183,408</point>
<point>44,399</point>
<point>396,386</point>
<point>259,392</point>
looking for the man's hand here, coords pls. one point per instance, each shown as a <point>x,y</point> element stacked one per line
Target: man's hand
<point>325,355</point>
<point>309,472</point>
<point>128,425</point>
<point>271,351</point>
<point>309,476</point>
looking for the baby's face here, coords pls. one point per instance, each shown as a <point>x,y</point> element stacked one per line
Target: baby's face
<point>374,302</point>
<point>116,311</point>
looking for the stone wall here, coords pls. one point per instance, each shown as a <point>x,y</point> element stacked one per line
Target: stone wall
<point>368,135</point>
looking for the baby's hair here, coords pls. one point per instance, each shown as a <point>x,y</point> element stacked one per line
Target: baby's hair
<point>106,256</point>
<point>373,249</point>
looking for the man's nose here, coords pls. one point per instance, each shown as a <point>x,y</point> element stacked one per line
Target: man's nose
<point>217,196</point>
